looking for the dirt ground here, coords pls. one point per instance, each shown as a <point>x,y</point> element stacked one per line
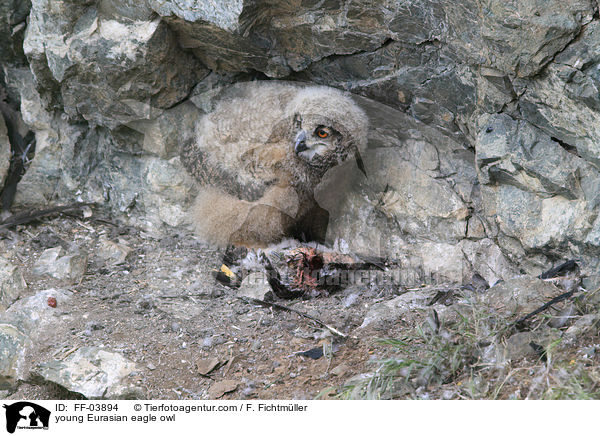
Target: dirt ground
<point>163,309</point>
<point>194,338</point>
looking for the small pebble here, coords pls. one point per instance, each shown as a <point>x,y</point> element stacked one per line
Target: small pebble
<point>350,300</point>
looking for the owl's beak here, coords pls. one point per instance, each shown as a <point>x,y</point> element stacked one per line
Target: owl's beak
<point>300,144</point>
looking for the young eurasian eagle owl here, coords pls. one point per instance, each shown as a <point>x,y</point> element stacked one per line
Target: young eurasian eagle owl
<point>259,155</point>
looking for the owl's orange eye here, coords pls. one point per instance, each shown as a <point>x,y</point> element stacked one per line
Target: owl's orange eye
<point>322,133</point>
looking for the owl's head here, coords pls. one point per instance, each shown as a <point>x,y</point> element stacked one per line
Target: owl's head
<point>327,126</point>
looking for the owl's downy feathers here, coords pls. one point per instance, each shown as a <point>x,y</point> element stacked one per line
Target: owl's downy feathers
<point>259,155</point>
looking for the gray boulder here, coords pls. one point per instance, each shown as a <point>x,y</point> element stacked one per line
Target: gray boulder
<point>95,373</point>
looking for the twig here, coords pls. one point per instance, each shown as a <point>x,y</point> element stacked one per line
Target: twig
<point>250,300</point>
<point>32,215</point>
<point>550,303</point>
<point>94,219</point>
<point>560,270</point>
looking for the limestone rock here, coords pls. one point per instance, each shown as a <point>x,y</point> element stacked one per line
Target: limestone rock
<point>519,345</point>
<point>13,15</point>
<point>12,354</point>
<point>112,252</point>
<point>107,70</point>
<point>521,37</point>
<point>31,315</point>
<point>486,258</point>
<point>12,284</point>
<point>205,366</point>
<point>218,389</point>
<point>168,187</point>
<point>224,15</point>
<point>164,135</point>
<point>398,309</point>
<point>20,326</point>
<point>256,285</point>
<point>410,193</point>
<point>519,296</point>
<point>580,326</point>
<point>55,263</point>
<point>535,190</point>
<point>94,373</point>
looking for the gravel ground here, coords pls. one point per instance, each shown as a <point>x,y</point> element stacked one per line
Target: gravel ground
<point>162,308</point>
<point>154,300</point>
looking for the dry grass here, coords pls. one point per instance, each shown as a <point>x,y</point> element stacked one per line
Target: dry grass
<point>466,359</point>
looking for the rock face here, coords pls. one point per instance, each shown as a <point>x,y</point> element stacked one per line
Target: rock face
<point>13,15</point>
<point>106,69</point>
<point>483,153</point>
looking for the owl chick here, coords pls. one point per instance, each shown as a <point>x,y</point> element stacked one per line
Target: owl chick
<point>259,155</point>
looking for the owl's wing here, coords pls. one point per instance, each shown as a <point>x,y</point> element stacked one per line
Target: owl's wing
<point>209,173</point>
<point>240,145</point>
